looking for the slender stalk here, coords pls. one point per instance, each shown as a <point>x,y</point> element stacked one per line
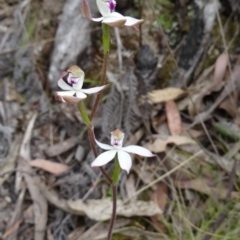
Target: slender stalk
<point>106,48</point>
<point>116,173</point>
<point>92,142</point>
<point>106,38</point>
<point>114,211</point>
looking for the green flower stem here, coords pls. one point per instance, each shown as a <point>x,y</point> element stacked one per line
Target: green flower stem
<point>106,38</point>
<point>106,49</point>
<point>116,171</point>
<point>84,114</point>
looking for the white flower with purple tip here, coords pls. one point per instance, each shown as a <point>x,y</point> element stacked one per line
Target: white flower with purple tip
<point>124,157</point>
<point>109,16</point>
<point>71,82</point>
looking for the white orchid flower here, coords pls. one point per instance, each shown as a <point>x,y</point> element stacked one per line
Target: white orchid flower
<point>124,157</point>
<point>71,82</point>
<point>109,16</point>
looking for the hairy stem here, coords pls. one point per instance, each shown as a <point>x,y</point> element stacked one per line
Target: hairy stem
<point>114,211</point>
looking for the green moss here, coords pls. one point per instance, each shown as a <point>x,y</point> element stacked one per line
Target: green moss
<point>165,73</point>
<point>166,21</point>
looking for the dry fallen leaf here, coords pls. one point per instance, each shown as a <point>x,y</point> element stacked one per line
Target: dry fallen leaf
<point>101,210</point>
<point>160,145</point>
<point>12,229</point>
<point>49,166</point>
<point>9,163</point>
<point>39,201</point>
<point>98,210</point>
<point>173,117</point>
<point>130,186</point>
<point>220,68</point>
<point>16,217</point>
<point>160,197</point>
<point>62,147</point>
<point>165,95</point>
<point>206,186</point>
<point>229,105</point>
<point>231,86</point>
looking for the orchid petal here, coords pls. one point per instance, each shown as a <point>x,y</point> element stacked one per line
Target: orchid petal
<point>78,86</point>
<point>68,99</point>
<point>115,20</point>
<point>81,95</point>
<point>59,98</point>
<point>125,160</point>
<point>104,158</point>
<point>103,145</point>
<point>131,22</point>
<point>116,15</point>
<point>94,89</point>
<point>103,8</point>
<point>97,19</point>
<point>138,150</point>
<point>66,93</point>
<point>86,10</point>
<point>63,85</point>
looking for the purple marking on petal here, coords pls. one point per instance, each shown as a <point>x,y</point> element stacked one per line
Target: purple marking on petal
<point>73,80</point>
<point>112,5</point>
